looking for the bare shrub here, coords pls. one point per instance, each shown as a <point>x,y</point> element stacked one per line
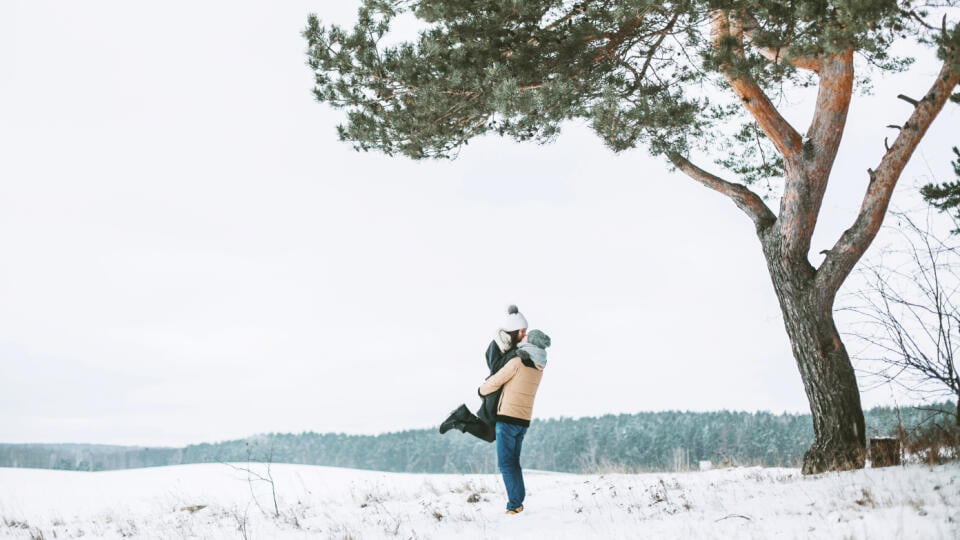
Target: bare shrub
<point>907,313</point>
<point>932,443</point>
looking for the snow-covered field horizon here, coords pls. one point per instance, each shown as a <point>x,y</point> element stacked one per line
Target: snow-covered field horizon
<point>236,501</point>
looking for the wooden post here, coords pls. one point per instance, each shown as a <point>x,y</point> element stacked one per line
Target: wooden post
<point>884,452</point>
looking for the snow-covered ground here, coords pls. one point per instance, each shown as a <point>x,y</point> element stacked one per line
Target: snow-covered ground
<point>220,501</point>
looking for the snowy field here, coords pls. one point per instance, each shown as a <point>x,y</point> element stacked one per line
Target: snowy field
<point>219,501</point>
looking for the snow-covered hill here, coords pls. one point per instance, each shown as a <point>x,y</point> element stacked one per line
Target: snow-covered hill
<point>223,501</point>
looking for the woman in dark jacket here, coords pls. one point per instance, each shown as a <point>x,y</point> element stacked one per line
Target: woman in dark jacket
<point>499,352</point>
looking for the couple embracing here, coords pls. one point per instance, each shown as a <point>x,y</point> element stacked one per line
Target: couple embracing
<point>516,358</point>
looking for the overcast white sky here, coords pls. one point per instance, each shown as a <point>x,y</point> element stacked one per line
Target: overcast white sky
<point>187,253</point>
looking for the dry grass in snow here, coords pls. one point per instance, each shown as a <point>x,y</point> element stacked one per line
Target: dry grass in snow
<point>220,501</point>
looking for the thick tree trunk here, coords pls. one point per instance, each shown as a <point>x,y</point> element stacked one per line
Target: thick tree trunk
<point>806,294</point>
<point>825,368</point>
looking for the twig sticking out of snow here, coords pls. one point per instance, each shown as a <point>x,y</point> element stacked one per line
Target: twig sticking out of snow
<point>741,516</point>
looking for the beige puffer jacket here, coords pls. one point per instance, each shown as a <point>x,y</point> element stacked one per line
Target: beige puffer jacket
<point>520,385</point>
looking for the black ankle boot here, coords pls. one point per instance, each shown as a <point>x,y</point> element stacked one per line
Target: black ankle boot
<point>457,419</point>
<point>462,413</point>
<point>448,424</point>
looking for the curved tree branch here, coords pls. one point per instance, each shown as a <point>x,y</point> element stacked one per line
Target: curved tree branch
<point>751,29</point>
<point>854,242</point>
<point>743,197</point>
<point>784,137</point>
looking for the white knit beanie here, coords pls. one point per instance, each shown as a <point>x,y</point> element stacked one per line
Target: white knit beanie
<point>514,320</point>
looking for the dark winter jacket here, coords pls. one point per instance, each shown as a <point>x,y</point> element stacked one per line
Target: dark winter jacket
<point>495,361</point>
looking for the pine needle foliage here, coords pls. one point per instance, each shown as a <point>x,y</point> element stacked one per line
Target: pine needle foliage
<point>640,72</point>
<point>945,196</point>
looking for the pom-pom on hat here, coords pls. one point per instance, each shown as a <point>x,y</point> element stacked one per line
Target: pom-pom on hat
<point>514,320</point>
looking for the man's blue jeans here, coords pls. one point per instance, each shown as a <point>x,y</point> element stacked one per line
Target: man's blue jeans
<point>509,442</point>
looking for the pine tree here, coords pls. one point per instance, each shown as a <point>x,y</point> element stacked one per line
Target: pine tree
<point>945,196</point>
<point>641,71</point>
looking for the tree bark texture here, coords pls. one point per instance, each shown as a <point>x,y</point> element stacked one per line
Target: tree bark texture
<point>825,368</point>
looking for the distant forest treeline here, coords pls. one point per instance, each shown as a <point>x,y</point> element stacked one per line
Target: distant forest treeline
<point>653,441</point>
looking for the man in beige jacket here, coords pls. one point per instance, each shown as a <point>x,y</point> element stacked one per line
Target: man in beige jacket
<point>518,381</point>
